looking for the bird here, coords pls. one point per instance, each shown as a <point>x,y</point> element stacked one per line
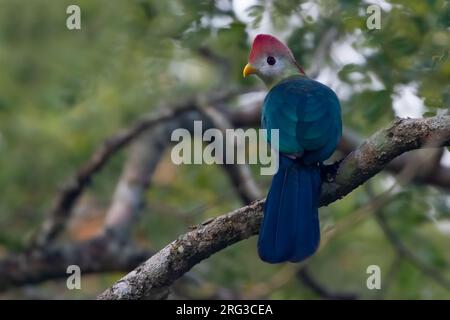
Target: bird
<point>307,114</point>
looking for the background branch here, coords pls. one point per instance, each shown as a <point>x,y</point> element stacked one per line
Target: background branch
<point>144,157</point>
<point>101,254</point>
<point>240,174</point>
<point>308,280</point>
<point>402,250</point>
<point>68,195</point>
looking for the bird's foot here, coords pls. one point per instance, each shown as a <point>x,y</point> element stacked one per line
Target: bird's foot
<point>328,171</point>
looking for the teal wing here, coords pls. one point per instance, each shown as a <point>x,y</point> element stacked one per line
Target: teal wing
<point>308,116</point>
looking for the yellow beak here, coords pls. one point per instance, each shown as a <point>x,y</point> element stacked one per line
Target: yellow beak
<point>248,69</point>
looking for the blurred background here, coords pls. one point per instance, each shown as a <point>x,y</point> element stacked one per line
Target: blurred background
<point>63,92</point>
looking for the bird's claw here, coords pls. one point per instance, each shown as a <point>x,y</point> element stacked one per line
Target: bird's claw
<point>328,171</point>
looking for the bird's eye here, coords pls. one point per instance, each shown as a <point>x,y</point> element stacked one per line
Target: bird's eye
<point>271,60</point>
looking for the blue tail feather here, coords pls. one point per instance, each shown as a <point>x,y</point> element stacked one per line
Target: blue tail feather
<point>290,229</point>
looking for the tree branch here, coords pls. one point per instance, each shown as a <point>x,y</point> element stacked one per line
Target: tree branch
<point>101,254</point>
<point>68,195</point>
<point>162,269</point>
<point>322,51</point>
<point>435,173</point>
<point>373,155</point>
<point>240,174</point>
<point>135,179</point>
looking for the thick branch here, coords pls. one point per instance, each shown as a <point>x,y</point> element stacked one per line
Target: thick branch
<point>162,269</point>
<point>181,255</point>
